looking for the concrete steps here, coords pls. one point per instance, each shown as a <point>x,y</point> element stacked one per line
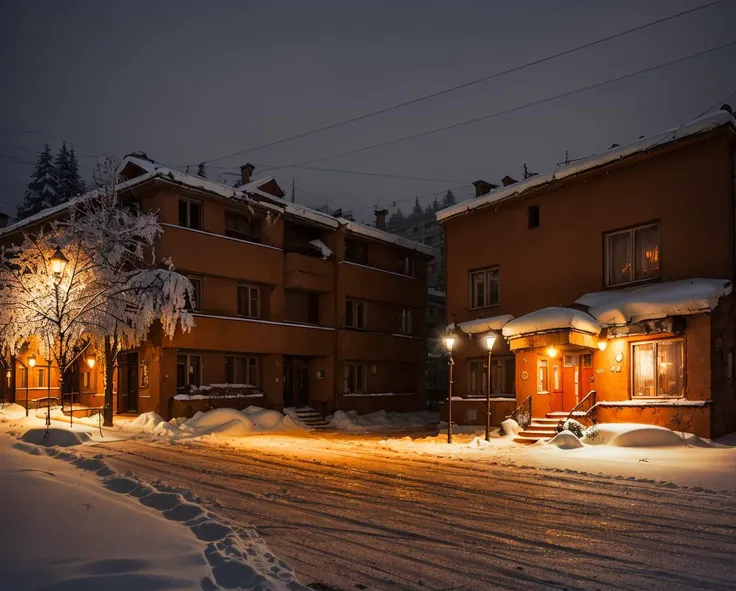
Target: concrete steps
<point>311,418</point>
<point>542,428</point>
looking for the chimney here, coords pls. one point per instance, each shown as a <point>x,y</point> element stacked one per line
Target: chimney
<point>483,188</point>
<point>507,180</point>
<point>245,171</point>
<point>381,218</point>
<point>3,219</point>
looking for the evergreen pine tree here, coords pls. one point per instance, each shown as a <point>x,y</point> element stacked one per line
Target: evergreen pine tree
<point>42,190</point>
<point>67,172</point>
<point>201,170</point>
<point>397,219</point>
<point>417,211</point>
<point>435,205</point>
<point>449,199</point>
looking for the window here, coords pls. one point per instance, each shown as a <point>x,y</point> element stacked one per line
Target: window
<point>87,379</point>
<point>658,368</point>
<point>243,227</point>
<point>429,240</point>
<point>355,314</point>
<point>586,360</point>
<point>190,214</point>
<point>188,371</point>
<point>23,377</point>
<point>355,251</point>
<point>569,361</point>
<point>197,285</point>
<point>407,266</point>
<point>41,377</point>
<point>355,378</point>
<point>556,377</point>
<point>632,255</point>
<point>406,321</point>
<point>533,216</point>
<point>249,301</point>
<point>502,376</point>
<point>242,370</point>
<point>485,288</point>
<point>543,375</point>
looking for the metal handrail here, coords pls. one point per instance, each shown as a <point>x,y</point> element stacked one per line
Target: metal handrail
<point>523,413</point>
<point>590,396</point>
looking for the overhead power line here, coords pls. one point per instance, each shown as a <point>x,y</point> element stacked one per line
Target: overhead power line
<point>505,111</point>
<point>466,84</point>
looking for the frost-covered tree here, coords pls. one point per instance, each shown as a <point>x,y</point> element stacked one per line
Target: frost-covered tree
<point>67,172</point>
<point>42,189</point>
<point>107,292</point>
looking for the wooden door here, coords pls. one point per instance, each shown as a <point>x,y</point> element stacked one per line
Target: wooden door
<point>586,374</point>
<point>570,380</point>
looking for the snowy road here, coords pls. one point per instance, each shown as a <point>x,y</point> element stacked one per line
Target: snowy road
<point>354,516</point>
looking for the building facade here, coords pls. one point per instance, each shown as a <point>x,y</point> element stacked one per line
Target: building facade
<point>293,307</point>
<point>596,277</point>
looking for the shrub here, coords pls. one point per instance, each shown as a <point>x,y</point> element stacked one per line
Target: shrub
<point>576,428</point>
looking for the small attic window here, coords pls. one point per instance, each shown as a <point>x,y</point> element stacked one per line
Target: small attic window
<point>533,216</point>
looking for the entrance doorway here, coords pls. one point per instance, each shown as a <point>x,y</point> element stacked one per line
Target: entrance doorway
<point>577,371</point>
<point>296,381</point>
<point>131,382</point>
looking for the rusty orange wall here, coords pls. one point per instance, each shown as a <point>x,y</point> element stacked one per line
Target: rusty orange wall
<point>689,419</point>
<point>696,241</point>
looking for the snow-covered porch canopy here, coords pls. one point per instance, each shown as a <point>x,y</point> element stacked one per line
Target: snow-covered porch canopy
<point>481,325</point>
<point>608,314</point>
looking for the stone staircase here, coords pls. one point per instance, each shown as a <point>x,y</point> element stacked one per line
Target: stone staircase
<point>311,418</point>
<point>543,428</point>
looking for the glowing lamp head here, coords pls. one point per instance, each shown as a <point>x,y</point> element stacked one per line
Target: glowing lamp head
<point>490,340</point>
<point>58,262</point>
<point>8,373</point>
<point>602,345</point>
<point>32,361</point>
<point>552,352</point>
<point>450,342</point>
<point>91,362</point>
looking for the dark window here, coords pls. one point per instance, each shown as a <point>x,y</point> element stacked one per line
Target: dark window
<point>249,301</point>
<point>485,288</point>
<point>23,377</point>
<point>242,370</point>
<point>190,214</point>
<point>533,216</point>
<point>355,378</point>
<point>356,251</point>
<point>242,227</point>
<point>197,285</point>
<point>354,314</point>
<point>188,371</point>
<point>407,266</point>
<point>632,255</point>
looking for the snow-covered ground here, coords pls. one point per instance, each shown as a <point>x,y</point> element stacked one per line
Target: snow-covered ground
<point>76,524</point>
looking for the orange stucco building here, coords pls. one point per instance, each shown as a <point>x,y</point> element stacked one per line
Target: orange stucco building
<point>630,228</point>
<point>293,307</point>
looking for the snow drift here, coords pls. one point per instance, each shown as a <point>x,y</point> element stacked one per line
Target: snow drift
<point>353,422</point>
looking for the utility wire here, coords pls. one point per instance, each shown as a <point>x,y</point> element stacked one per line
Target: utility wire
<point>506,111</point>
<point>467,84</point>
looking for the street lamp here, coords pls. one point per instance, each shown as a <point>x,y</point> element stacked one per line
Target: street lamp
<point>31,364</point>
<point>58,263</point>
<point>450,339</point>
<point>91,362</point>
<point>490,341</point>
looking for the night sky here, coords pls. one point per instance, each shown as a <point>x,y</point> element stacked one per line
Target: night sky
<point>193,81</point>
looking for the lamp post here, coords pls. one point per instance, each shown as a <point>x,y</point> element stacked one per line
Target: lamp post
<point>31,364</point>
<point>490,341</point>
<point>449,343</point>
<point>58,264</point>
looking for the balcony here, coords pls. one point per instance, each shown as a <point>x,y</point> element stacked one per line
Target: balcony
<point>372,283</point>
<point>308,273</point>
<point>372,346</point>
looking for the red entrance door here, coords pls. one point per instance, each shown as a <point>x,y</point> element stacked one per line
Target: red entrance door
<point>570,380</point>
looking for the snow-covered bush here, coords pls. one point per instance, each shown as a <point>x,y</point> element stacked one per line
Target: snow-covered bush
<point>575,427</point>
<point>509,428</point>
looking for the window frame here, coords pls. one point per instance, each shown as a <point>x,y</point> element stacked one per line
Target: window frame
<point>543,362</point>
<point>362,247</point>
<point>500,372</point>
<point>23,378</point>
<point>187,365</point>
<point>486,273</point>
<point>259,302</point>
<point>196,280</point>
<point>238,235</point>
<point>655,353</point>
<point>41,381</point>
<point>406,321</point>
<point>350,319</point>
<point>363,368</point>
<point>631,232</point>
<point>189,202</point>
<point>251,366</point>
<point>409,266</point>
<point>533,217</point>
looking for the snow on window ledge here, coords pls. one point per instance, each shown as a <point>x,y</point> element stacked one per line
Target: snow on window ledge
<point>360,394</point>
<point>655,402</point>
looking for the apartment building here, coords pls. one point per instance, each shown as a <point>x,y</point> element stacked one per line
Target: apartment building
<point>293,307</point>
<point>608,283</point>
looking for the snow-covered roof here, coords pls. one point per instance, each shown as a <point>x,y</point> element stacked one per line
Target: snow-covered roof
<point>482,324</point>
<point>709,122</point>
<point>321,247</point>
<point>550,319</point>
<point>36,217</point>
<point>658,300</point>
<point>383,236</point>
